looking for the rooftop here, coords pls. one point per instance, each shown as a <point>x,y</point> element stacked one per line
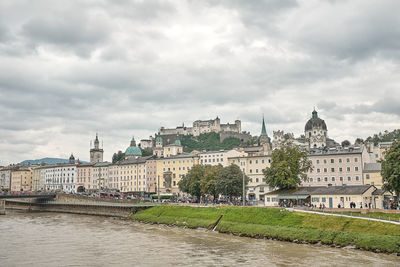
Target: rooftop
<point>372,167</point>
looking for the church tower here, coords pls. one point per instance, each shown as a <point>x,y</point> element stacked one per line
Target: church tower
<point>264,139</point>
<point>316,131</point>
<point>96,153</point>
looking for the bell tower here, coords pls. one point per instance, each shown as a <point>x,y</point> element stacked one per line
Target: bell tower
<point>96,153</point>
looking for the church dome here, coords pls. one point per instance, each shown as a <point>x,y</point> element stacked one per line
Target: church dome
<point>133,151</point>
<point>159,139</point>
<point>315,122</point>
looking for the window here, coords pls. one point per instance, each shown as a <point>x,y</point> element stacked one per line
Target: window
<point>356,168</point>
<point>349,178</point>
<point>251,171</point>
<point>250,161</point>
<point>268,199</point>
<point>340,160</point>
<point>274,199</point>
<point>332,169</point>
<point>324,160</point>
<point>332,161</point>
<point>357,178</point>
<point>333,179</point>
<point>341,178</point>
<point>340,169</point>
<point>315,199</point>
<point>311,180</point>
<point>256,180</point>
<point>325,170</point>
<point>324,199</point>
<point>317,161</point>
<point>319,179</point>
<point>318,170</point>
<point>261,189</point>
<point>326,179</point>
<point>348,160</point>
<point>348,169</point>
<point>256,170</point>
<point>355,159</point>
<point>367,176</point>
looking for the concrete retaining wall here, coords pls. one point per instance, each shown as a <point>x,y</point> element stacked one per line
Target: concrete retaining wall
<point>77,208</point>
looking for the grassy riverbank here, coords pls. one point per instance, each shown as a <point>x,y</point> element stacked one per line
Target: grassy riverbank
<point>281,225</point>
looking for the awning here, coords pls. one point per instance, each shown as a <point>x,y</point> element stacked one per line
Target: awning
<point>293,196</point>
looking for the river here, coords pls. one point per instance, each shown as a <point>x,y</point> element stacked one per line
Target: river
<point>55,239</point>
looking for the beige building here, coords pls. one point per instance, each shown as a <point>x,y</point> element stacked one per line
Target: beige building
<point>100,175</point>
<point>219,157</point>
<point>132,175</point>
<point>113,177</point>
<point>85,177</point>
<point>253,167</point>
<point>151,175</point>
<point>38,179</point>
<point>21,179</point>
<point>337,167</point>
<point>372,174</point>
<point>170,170</point>
<point>329,196</point>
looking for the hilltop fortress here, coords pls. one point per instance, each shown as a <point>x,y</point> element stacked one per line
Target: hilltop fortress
<point>201,127</point>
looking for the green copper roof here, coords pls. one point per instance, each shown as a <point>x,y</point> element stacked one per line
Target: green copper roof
<point>97,139</point>
<point>159,139</point>
<point>263,130</point>
<point>177,141</point>
<point>133,151</point>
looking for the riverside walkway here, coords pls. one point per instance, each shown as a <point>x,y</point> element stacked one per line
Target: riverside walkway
<point>343,215</point>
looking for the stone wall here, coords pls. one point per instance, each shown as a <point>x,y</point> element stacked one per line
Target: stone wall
<point>99,209</point>
<point>69,198</point>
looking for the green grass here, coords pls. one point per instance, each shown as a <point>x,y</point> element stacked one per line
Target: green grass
<point>281,225</point>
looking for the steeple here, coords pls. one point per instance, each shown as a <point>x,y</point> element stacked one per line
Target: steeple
<point>314,114</point>
<point>263,129</point>
<point>133,142</point>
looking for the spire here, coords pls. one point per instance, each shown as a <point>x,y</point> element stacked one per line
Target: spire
<point>263,129</point>
<point>97,139</point>
<point>314,114</point>
<point>133,142</point>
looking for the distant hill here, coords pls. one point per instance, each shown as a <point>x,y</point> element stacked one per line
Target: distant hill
<point>386,136</point>
<point>208,141</point>
<point>48,161</point>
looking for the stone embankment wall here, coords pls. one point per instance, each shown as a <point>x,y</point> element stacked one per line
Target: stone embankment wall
<point>100,209</point>
<point>69,198</point>
<point>2,207</point>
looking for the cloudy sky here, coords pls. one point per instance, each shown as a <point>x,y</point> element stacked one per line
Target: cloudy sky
<point>123,68</point>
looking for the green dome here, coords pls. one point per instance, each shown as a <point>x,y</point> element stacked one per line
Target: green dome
<point>177,142</point>
<point>133,151</point>
<point>159,139</point>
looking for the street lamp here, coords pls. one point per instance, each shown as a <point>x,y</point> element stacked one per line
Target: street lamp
<point>244,190</point>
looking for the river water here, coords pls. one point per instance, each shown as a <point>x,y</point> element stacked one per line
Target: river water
<point>55,239</point>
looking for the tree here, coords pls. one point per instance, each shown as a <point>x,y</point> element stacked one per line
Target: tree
<point>391,169</point>
<point>118,156</point>
<point>230,181</point>
<point>289,166</point>
<point>346,143</point>
<point>190,183</point>
<point>208,183</point>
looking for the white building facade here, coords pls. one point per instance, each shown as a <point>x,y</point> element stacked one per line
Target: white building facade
<point>61,178</point>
